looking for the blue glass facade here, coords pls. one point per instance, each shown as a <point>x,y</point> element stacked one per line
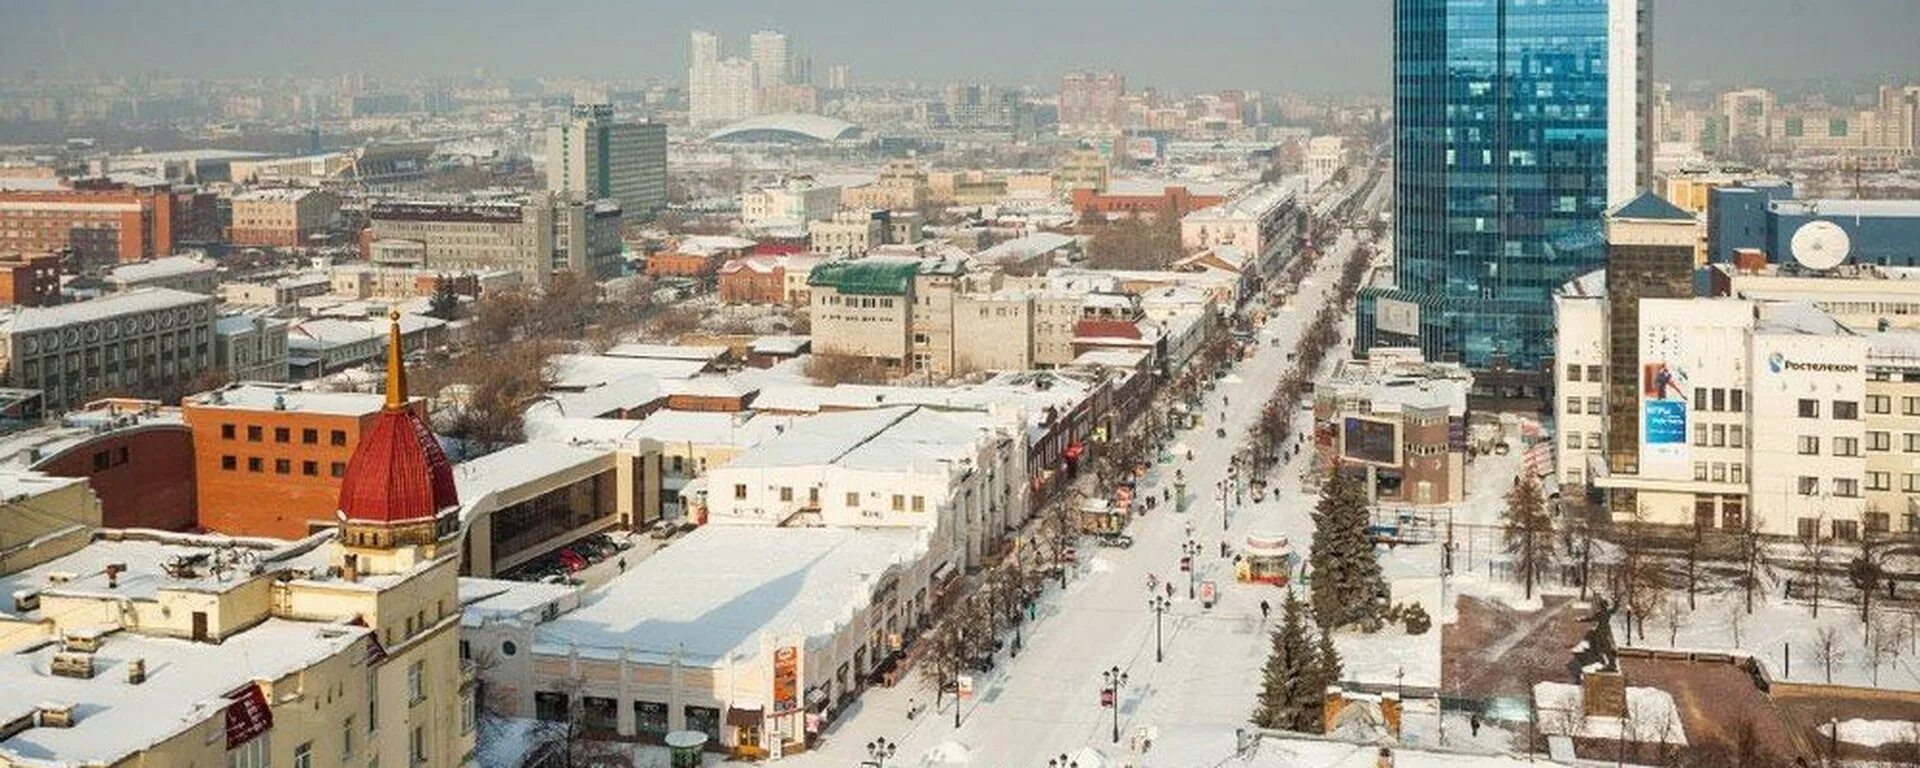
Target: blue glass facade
<point>1500,183</point>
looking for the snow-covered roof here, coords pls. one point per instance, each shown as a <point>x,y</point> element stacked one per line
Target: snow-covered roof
<point>1023,248</point>
<point>483,599</point>
<point>583,372</point>
<point>667,352</point>
<point>251,396</point>
<point>910,439</point>
<point>144,556</point>
<point>116,305</point>
<point>187,685</point>
<point>787,126</point>
<point>528,469</point>
<point>24,484</point>
<point>713,593</point>
<point>329,332</point>
<point>780,345</point>
<point>153,269</point>
<point>1793,317</point>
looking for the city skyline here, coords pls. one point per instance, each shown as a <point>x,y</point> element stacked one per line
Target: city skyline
<point>1289,47</point>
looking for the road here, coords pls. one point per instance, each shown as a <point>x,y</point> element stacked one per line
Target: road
<point>1046,701</point>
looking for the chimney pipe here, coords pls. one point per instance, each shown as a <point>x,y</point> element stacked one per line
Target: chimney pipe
<point>350,568</point>
<point>136,671</point>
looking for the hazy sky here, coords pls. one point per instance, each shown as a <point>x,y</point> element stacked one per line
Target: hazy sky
<point>1300,45</point>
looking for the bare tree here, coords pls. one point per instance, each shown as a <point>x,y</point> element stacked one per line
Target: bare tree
<point>1751,550</point>
<point>1736,621</point>
<point>1637,591</point>
<point>1867,571</point>
<point>833,370</point>
<point>573,741</point>
<point>1813,549</point>
<point>1673,618</point>
<point>1885,635</point>
<point>1528,529</point>
<point>498,387</point>
<point>1694,544</point>
<point>1827,651</point>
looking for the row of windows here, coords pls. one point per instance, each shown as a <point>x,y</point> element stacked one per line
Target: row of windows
<point>256,433</point>
<point>1592,406</point>
<point>1719,399</point>
<point>1593,373</point>
<point>1719,435</point>
<point>1845,487</point>
<point>1843,410</point>
<point>900,502</point>
<point>1883,404</point>
<point>309,468</point>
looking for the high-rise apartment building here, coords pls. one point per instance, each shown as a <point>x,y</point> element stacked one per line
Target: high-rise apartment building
<point>1090,102</point>
<point>1516,124</point>
<point>724,90</point>
<point>772,58</point>
<point>592,156</point>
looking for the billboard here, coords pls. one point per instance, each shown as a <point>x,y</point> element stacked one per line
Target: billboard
<point>1397,316</point>
<point>1664,451</point>
<point>1370,441</point>
<point>786,679</point>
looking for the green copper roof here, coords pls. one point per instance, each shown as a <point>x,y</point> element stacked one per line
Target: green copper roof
<point>870,276</point>
<point>1651,206</point>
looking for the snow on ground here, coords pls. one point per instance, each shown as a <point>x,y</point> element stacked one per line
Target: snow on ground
<point>1874,733</point>
<point>1777,630</point>
<point>1392,657</point>
<point>1651,715</point>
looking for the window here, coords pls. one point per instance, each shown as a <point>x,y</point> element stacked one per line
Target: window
<point>599,714</point>
<point>1573,405</point>
<point>650,720</point>
<point>1700,471</point>
<point>1736,436</point>
<point>1910,406</point>
<point>1719,435</point>
<point>229,463</point>
<point>1730,512</point>
<point>1573,372</point>
<point>1573,441</point>
<point>1737,399</point>
<point>282,435</point>
<point>283,466</point>
<point>1846,410</point>
<point>1846,487</point>
<point>1719,399</point>
<point>1809,408</point>
<point>253,754</point>
<point>310,436</point>
<point>899,503</point>
<point>1809,445</point>
<point>1699,434</point>
<point>1879,404</point>
<point>310,468</point>
<point>1593,406</point>
<point>1846,446</point>
<point>1910,483</point>
<point>1700,398</point>
<point>919,503</point>
<point>1878,522</point>
<point>416,682</point>
<point>786,493</point>
<point>1809,485</point>
<point>253,464</point>
<point>303,755</point>
<point>1809,527</point>
<point>339,437</point>
<point>1719,472</point>
<point>1737,473</point>
<point>253,434</point>
<point>346,739</point>
<point>1593,373</point>
<point>853,499</point>
<point>1593,440</point>
<point>1879,481</point>
<point>1846,530</point>
<point>1911,441</point>
<point>226,431</point>
<point>739,490</point>
<point>1879,441</point>
<point>337,469</point>
<point>417,747</point>
<point>467,713</point>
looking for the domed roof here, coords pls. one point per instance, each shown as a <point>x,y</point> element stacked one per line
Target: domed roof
<point>790,128</point>
<point>398,474</point>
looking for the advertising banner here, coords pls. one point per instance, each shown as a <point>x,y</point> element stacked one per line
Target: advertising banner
<point>786,679</point>
<point>1664,451</point>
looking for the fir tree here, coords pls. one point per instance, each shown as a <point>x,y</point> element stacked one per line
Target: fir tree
<point>1528,530</point>
<point>1285,688</point>
<point>1325,673</point>
<point>1347,585</point>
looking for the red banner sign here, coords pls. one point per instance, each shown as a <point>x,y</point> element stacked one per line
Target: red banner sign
<point>786,679</point>
<point>248,716</point>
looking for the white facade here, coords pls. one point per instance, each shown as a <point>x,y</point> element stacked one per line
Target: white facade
<point>772,59</point>
<point>1326,155</point>
<point>793,203</point>
<point>1630,138</point>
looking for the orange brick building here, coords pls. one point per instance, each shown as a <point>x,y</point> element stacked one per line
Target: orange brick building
<point>103,221</point>
<point>1145,204</point>
<point>754,279</point>
<point>268,460</point>
<point>30,280</point>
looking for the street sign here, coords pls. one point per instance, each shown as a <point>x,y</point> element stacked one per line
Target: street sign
<point>1207,593</point>
<point>964,687</point>
<point>1106,697</point>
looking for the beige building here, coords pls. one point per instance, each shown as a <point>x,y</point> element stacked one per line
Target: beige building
<point>533,236</point>
<point>283,216</point>
<point>166,649</point>
<point>998,331</point>
<point>251,347</point>
<point>792,203</point>
<point>143,341</point>
<point>181,273</point>
<point>849,233</point>
<point>1083,169</point>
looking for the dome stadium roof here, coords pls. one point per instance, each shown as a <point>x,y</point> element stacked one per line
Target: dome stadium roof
<point>787,128</point>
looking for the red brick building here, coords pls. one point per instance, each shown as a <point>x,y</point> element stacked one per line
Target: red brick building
<point>104,221</point>
<point>1118,201</point>
<point>136,455</point>
<point>753,280</point>
<point>30,280</point>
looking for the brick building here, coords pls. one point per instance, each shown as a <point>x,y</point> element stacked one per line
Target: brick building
<point>254,441</point>
<point>135,454</point>
<point>755,279</point>
<point>102,220</point>
<point>1146,200</point>
<point>30,280</point>
<point>282,217</point>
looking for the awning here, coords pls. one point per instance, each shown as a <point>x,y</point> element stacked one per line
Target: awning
<point>744,717</point>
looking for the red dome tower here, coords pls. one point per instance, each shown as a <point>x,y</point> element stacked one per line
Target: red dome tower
<point>398,489</point>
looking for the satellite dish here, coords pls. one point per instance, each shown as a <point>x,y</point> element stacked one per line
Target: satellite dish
<point>1820,245</point>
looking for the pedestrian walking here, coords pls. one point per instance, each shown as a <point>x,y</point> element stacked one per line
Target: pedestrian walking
<point>1265,610</point>
<point>1169,586</point>
<point>1473,722</point>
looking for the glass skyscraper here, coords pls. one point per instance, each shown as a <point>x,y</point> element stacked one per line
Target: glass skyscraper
<point>1516,123</point>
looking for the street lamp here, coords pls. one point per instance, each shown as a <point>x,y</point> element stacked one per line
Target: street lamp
<point>1110,696</point>
<point>880,751</point>
<point>1158,604</point>
<point>1191,550</point>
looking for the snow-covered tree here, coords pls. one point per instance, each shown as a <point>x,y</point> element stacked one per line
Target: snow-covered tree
<point>1528,530</point>
<point>1347,585</point>
<point>1286,692</point>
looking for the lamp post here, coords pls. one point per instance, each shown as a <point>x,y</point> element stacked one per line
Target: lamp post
<point>881,750</point>
<point>1191,552</point>
<point>1111,696</point>
<point>1159,604</point>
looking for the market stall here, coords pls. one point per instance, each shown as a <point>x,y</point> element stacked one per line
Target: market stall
<point>1265,559</point>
